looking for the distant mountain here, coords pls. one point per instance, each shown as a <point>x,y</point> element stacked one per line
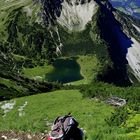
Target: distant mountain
<point>131,7</point>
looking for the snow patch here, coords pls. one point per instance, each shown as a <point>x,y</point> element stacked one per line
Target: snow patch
<point>28,10</point>
<point>9,0</point>
<point>74,16</point>
<point>21,109</point>
<point>58,43</point>
<point>133,57</point>
<point>59,47</point>
<point>137,28</point>
<point>38,78</point>
<point>7,107</point>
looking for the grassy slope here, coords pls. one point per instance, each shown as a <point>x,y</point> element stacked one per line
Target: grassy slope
<point>10,84</point>
<point>7,10</point>
<point>132,122</point>
<point>89,113</point>
<point>8,6</point>
<point>37,71</point>
<point>89,67</point>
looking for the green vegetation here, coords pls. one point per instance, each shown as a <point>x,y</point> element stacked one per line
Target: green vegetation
<point>92,115</point>
<point>106,90</point>
<point>124,117</point>
<point>133,126</point>
<point>7,7</point>
<point>24,43</point>
<point>37,71</point>
<point>46,107</point>
<point>14,85</point>
<point>10,84</point>
<point>89,67</point>
<point>21,34</point>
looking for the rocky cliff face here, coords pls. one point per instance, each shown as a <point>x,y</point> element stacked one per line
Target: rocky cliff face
<point>130,7</point>
<point>131,28</point>
<point>75,15</point>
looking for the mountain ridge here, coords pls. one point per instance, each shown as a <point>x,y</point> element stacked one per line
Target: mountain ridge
<point>130,7</point>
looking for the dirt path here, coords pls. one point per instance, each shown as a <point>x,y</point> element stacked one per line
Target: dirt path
<point>12,135</point>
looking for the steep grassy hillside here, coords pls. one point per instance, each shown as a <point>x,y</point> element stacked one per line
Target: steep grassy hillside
<point>22,44</point>
<point>7,7</point>
<point>126,116</point>
<point>36,113</point>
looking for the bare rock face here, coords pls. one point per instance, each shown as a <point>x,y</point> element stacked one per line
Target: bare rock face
<point>131,27</point>
<point>133,57</point>
<point>116,101</point>
<point>74,14</point>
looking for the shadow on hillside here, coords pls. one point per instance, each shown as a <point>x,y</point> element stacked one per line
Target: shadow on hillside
<point>52,10</point>
<point>118,41</point>
<point>75,134</point>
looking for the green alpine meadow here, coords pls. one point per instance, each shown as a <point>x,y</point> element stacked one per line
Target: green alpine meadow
<point>76,57</point>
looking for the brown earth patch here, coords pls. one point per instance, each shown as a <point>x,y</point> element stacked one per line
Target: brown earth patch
<point>13,135</point>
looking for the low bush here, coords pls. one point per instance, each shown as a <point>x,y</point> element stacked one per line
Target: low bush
<point>104,91</point>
